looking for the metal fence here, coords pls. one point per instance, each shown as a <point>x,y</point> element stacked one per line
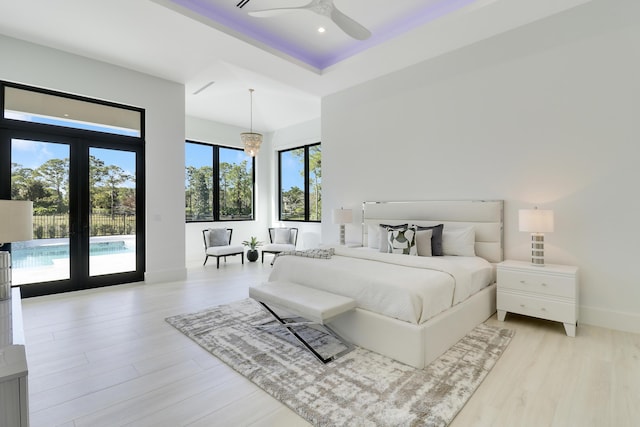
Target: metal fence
<point>57,225</point>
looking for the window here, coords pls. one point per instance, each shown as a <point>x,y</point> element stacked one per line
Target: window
<point>300,180</point>
<point>39,106</point>
<point>219,183</point>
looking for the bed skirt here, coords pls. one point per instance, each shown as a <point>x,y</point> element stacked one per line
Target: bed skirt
<point>416,345</point>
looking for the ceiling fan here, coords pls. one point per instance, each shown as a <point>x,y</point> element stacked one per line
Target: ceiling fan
<point>324,8</point>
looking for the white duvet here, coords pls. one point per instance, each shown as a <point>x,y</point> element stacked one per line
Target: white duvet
<point>409,288</point>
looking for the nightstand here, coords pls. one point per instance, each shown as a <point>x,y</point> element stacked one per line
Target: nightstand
<point>549,292</point>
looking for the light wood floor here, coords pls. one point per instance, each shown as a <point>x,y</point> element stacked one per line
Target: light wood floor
<point>106,357</point>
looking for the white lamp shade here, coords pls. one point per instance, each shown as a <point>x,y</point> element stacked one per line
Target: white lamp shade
<point>16,221</point>
<point>536,220</point>
<point>342,216</point>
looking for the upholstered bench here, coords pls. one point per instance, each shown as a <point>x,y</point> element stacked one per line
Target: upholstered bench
<point>315,306</point>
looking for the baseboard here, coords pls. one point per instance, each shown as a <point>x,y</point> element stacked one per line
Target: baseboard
<point>165,276</point>
<point>620,321</point>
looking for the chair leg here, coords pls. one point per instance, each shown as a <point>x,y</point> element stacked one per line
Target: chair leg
<point>217,262</point>
<point>242,257</point>
<point>263,257</point>
<point>206,257</point>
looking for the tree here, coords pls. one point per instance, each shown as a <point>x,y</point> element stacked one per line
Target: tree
<point>54,173</point>
<point>315,182</point>
<point>198,192</point>
<point>315,179</point>
<point>293,204</point>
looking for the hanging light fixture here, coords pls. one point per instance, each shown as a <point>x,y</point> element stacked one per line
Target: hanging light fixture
<point>251,140</point>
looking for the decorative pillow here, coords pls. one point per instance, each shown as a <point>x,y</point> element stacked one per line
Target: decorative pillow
<point>402,241</point>
<point>218,237</point>
<point>423,242</point>
<point>373,236</point>
<point>459,241</point>
<point>384,238</point>
<point>436,238</point>
<point>282,236</point>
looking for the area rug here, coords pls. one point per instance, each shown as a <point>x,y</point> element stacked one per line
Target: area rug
<point>361,388</point>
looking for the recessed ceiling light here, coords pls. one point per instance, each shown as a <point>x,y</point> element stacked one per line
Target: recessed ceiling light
<point>321,29</point>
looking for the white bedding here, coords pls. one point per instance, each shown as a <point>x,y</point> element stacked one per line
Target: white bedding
<point>404,287</point>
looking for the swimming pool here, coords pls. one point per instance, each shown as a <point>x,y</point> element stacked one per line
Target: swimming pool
<point>46,254</point>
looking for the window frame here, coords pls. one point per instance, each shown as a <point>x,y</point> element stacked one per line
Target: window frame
<point>307,185</point>
<point>215,196</point>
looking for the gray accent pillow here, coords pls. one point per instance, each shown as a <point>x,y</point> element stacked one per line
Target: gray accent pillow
<point>282,236</point>
<point>436,238</point>
<point>218,237</point>
<point>423,242</point>
<point>384,238</point>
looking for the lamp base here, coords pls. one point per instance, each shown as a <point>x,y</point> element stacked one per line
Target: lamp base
<point>5,275</point>
<point>342,234</point>
<point>537,249</point>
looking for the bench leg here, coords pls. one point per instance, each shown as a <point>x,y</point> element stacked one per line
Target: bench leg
<point>289,327</point>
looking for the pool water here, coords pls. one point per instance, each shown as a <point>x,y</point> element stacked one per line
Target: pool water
<point>45,255</point>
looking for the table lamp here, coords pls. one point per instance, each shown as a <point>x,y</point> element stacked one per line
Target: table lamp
<point>537,222</point>
<point>16,225</point>
<point>342,217</point>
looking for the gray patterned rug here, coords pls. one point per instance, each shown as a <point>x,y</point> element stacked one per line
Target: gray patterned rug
<point>361,388</point>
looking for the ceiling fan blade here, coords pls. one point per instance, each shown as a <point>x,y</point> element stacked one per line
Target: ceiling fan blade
<point>349,26</point>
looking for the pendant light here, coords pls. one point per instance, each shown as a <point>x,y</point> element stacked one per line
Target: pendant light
<point>251,139</point>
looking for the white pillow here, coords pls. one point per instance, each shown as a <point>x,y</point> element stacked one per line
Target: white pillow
<point>373,236</point>
<point>459,241</point>
<point>282,236</point>
<point>423,242</point>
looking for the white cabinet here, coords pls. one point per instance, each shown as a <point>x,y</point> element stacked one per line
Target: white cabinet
<point>14,408</point>
<point>548,292</point>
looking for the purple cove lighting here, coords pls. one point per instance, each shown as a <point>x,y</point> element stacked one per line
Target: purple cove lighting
<point>262,37</point>
<point>223,18</point>
<point>397,28</point>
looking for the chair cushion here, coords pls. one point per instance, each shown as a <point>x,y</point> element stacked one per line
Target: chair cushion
<point>282,236</point>
<point>276,247</point>
<point>312,304</point>
<point>225,250</point>
<point>218,237</point>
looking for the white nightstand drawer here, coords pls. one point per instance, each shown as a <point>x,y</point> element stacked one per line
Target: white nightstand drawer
<point>537,283</point>
<point>537,307</point>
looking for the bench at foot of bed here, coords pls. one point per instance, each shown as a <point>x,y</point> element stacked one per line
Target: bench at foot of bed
<point>315,306</point>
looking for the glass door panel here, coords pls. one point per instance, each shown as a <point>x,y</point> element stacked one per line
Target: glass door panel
<point>112,214</point>
<point>40,172</point>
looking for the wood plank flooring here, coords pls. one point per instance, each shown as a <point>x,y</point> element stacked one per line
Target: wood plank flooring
<point>106,357</point>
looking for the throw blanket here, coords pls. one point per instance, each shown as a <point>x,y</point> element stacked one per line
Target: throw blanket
<point>309,253</point>
<point>404,287</point>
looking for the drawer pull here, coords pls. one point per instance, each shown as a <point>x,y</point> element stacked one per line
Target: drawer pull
<point>544,284</point>
<point>543,309</point>
<point>522,305</point>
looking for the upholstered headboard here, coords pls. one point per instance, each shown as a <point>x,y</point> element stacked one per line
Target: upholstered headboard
<point>486,216</point>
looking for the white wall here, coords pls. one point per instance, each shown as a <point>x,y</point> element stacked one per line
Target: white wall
<point>543,115</point>
<point>163,102</point>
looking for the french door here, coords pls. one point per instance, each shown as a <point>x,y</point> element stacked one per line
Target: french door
<point>88,211</point>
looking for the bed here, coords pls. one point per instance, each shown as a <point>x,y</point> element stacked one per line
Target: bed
<point>411,308</point>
